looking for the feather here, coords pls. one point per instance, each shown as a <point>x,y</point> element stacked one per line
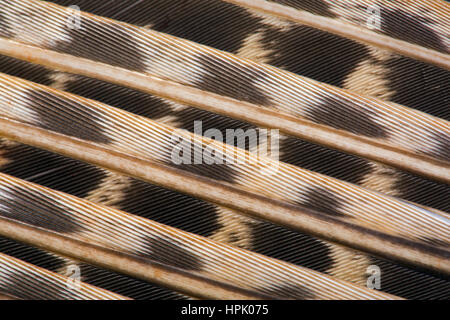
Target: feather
<point>387,125</point>
<point>141,138</point>
<point>125,233</point>
<point>362,107</point>
<point>21,280</point>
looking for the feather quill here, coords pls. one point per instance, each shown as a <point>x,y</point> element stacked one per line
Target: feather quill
<point>263,80</point>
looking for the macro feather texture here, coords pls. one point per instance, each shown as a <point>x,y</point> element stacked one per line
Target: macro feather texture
<point>94,103</point>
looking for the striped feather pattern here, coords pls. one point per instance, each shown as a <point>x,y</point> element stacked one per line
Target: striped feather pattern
<point>248,81</point>
<point>91,121</point>
<point>154,67</point>
<point>24,281</point>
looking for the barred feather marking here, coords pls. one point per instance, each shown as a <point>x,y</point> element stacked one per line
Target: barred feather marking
<point>413,162</point>
<point>25,281</point>
<point>293,105</point>
<point>421,199</point>
<point>56,220</point>
<point>219,261</point>
<point>158,143</point>
<point>363,35</point>
<point>105,279</point>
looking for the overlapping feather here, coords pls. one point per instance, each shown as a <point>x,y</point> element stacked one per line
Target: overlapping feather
<point>375,122</point>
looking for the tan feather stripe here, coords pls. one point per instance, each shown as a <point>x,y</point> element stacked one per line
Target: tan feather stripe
<point>113,260</point>
<point>349,31</point>
<point>151,140</point>
<point>228,196</point>
<point>327,136</point>
<point>124,233</point>
<point>408,130</point>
